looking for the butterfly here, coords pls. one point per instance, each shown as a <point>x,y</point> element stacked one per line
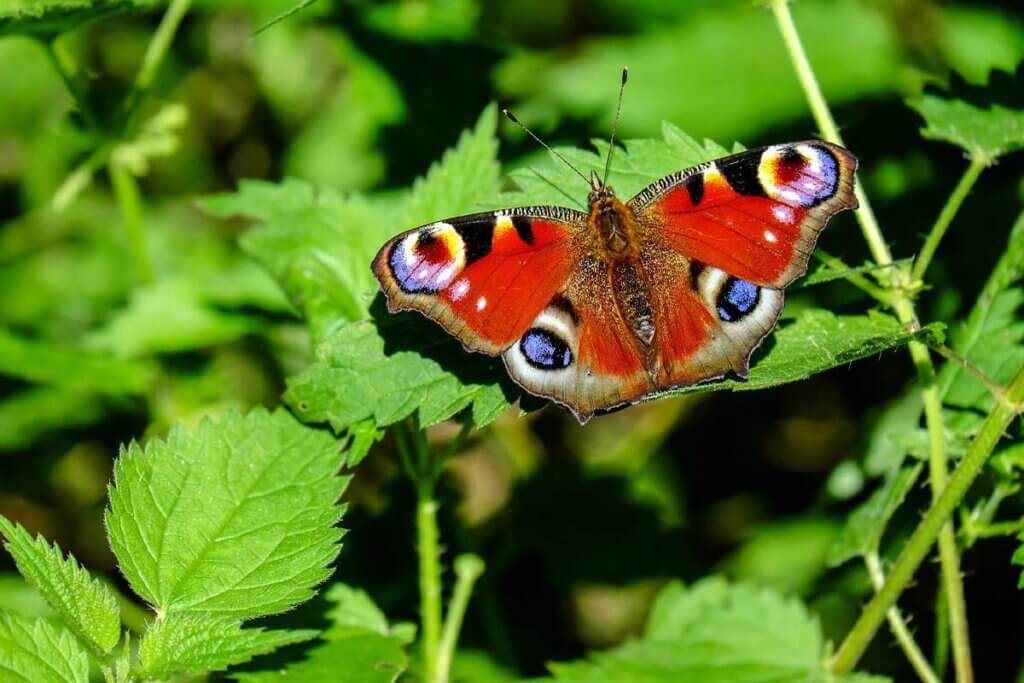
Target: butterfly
<point>598,309</point>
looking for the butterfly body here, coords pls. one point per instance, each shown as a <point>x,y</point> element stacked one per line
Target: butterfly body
<point>676,286</point>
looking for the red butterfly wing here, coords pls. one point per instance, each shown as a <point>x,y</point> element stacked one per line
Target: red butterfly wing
<point>483,277</point>
<point>755,215</point>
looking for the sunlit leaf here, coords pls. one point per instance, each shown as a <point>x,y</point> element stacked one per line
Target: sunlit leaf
<point>235,519</point>
<point>986,121</point>
<point>86,605</point>
<point>197,644</point>
<point>36,650</point>
<point>50,17</point>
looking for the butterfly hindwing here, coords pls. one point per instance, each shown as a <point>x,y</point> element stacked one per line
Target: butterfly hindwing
<point>755,215</point>
<point>483,277</point>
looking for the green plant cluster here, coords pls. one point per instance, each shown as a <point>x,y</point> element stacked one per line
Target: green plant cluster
<point>223,459</point>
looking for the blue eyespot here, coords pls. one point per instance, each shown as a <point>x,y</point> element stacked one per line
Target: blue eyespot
<point>544,350</point>
<point>737,299</point>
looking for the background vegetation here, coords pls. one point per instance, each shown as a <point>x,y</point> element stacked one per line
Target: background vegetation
<point>195,366</point>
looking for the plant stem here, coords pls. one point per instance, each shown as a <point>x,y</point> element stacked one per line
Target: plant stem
<point>127,192</point>
<point>160,43</point>
<point>429,550</point>
<point>949,211</point>
<point>468,569</point>
<point>904,308</point>
<point>899,625</point>
<point>928,530</point>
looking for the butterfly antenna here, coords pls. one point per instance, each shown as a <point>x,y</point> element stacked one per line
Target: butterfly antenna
<point>615,124</point>
<point>513,119</point>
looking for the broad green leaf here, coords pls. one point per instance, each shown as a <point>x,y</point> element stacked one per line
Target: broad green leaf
<point>169,316</point>
<point>817,341</point>
<point>986,121</point>
<point>993,336</point>
<point>70,367</point>
<point>17,596</point>
<point>712,632</point>
<point>36,651</point>
<point>86,605</point>
<point>362,436</point>
<point>361,646</point>
<point>898,416</point>
<point>189,643</point>
<point>384,373</point>
<point>31,413</point>
<point>50,17</point>
<point>724,93</point>
<point>826,273</point>
<point>236,519</point>
<point>865,525</point>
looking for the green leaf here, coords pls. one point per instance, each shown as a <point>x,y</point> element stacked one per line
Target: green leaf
<point>993,336</point>
<point>169,316</point>
<point>30,414</point>
<point>17,596</point>
<point>87,606</point>
<point>729,93</point>
<point>826,273</point>
<point>34,650</point>
<point>817,341</point>
<point>361,646</point>
<point>785,555</point>
<point>426,21</point>
<point>189,643</point>
<point>986,121</point>
<point>70,367</point>
<point>711,632</point>
<point>385,373</point>
<point>236,519</point>
<point>865,525</point>
<point>50,17</point>
<point>898,416</point>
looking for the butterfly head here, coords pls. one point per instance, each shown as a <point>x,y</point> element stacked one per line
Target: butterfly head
<point>599,192</point>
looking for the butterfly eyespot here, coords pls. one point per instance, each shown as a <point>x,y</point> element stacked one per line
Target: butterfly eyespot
<point>544,350</point>
<point>799,175</point>
<point>737,299</point>
<point>428,260</point>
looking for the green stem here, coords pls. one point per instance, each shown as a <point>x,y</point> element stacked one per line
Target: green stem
<point>904,309</point>
<point>899,625</point>
<point>928,530</point>
<point>468,569</point>
<point>428,547</point>
<point>948,213</point>
<point>127,192</point>
<point>160,43</point>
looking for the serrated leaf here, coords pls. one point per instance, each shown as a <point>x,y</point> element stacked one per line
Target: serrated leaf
<point>86,605</point>
<point>236,519</point>
<point>384,373</point>
<point>993,336</point>
<point>826,273</point>
<point>817,341</point>
<point>29,414</point>
<point>354,609</point>
<point>36,650</point>
<point>986,121</point>
<point>48,18</point>
<point>865,525</point>
<point>189,643</point>
<point>711,632</point>
<point>363,658</point>
<point>66,366</point>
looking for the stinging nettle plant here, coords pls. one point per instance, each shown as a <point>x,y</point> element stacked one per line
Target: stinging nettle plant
<point>236,520</point>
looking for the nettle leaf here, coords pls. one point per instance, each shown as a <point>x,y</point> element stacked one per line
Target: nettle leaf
<point>188,643</point>
<point>714,631</point>
<point>37,650</point>
<point>70,367</point>
<point>236,519</point>
<point>86,605</point>
<point>986,121</point>
<point>361,647</point>
<point>993,336</point>
<point>865,525</point>
<point>50,17</point>
<point>817,341</point>
<point>383,372</point>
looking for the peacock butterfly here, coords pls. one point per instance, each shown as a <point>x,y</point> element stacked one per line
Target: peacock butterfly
<point>594,310</point>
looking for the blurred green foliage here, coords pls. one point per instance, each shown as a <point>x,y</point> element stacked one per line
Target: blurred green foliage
<point>185,239</point>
